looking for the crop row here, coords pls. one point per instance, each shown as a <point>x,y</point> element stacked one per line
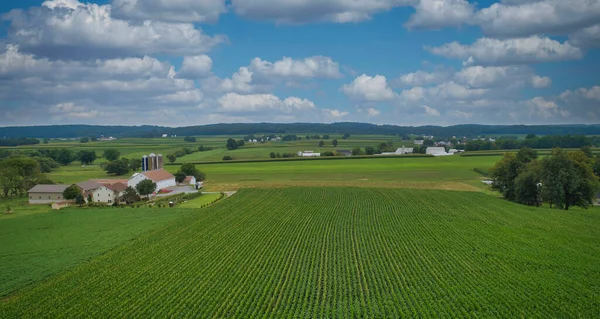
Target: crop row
<point>339,252</point>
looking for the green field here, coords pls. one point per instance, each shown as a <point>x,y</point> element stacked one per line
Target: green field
<point>37,246</point>
<point>338,252</point>
<point>450,172</point>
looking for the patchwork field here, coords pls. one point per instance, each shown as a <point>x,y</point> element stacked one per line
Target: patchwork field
<point>337,252</point>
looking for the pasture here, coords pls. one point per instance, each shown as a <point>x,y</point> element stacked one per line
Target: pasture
<point>335,252</point>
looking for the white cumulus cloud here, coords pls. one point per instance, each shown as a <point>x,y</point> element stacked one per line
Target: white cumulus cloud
<point>487,51</point>
<point>234,102</point>
<point>369,89</point>
<point>171,10</point>
<point>437,14</point>
<point>194,67</point>
<point>430,111</point>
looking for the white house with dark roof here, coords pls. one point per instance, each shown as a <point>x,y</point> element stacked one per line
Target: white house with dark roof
<point>46,194</point>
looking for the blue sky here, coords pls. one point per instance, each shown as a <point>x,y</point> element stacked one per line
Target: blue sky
<point>407,62</point>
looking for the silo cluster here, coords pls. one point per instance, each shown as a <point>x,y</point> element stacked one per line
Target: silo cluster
<point>152,162</point>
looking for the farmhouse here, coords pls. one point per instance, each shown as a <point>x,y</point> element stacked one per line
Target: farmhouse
<point>162,178</point>
<point>117,188</point>
<point>437,151</point>
<point>46,194</point>
<point>308,154</point>
<point>418,142</point>
<point>88,187</point>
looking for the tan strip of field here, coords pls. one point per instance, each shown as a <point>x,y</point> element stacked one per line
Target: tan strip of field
<point>457,186</point>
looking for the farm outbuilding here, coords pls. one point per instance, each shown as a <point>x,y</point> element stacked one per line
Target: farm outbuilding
<point>46,194</point>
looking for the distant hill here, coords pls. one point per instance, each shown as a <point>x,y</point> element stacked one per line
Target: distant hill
<point>71,131</point>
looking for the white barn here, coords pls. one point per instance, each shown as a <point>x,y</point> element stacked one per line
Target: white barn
<point>437,151</point>
<point>162,178</point>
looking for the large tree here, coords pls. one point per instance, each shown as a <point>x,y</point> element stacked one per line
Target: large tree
<point>188,169</point>
<point>10,181</point>
<point>111,154</point>
<point>130,195</point>
<point>71,192</point>
<point>79,200</point>
<point>118,167</point>
<point>334,143</point>
<point>135,163</point>
<point>231,144</point>
<point>146,187</point>
<point>87,157</point>
<point>65,156</point>
<point>28,171</point>
<point>180,177</point>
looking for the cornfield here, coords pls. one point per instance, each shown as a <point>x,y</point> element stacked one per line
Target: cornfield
<point>340,253</point>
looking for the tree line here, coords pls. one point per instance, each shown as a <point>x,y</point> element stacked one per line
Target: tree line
<point>18,141</point>
<point>563,180</point>
<point>533,141</point>
<point>76,131</point>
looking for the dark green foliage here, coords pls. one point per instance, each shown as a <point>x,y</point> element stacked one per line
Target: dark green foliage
<point>190,139</point>
<point>65,156</point>
<point>90,199</point>
<point>227,158</point>
<point>146,187</point>
<point>18,141</point>
<point>79,200</point>
<point>356,151</point>
<point>135,164</point>
<point>188,169</point>
<point>84,139</point>
<point>231,144</point>
<point>346,136</point>
<point>240,143</point>
<point>71,192</point>
<point>321,143</point>
<point>528,187</point>
<point>86,157</point>
<point>334,143</point>
<point>203,148</point>
<point>130,195</point>
<point>46,164</point>
<point>179,177</point>
<point>172,158</point>
<point>369,150</point>
<point>118,167</point>
<point>272,155</point>
<point>587,150</point>
<point>111,154</point>
<point>328,153</point>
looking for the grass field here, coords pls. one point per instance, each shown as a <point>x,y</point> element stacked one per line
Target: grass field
<point>200,201</point>
<point>450,172</point>
<point>338,252</point>
<point>37,246</point>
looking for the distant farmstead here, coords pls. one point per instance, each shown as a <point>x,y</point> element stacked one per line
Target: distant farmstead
<point>162,178</point>
<point>437,151</point>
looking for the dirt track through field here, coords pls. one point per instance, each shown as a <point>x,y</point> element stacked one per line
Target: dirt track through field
<point>457,186</point>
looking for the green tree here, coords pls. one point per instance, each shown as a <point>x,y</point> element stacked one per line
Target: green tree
<point>79,200</point>
<point>325,137</point>
<point>334,143</point>
<point>130,195</point>
<point>190,139</point>
<point>10,181</point>
<point>356,151</point>
<point>146,187</point>
<point>180,177</point>
<point>272,155</point>
<point>587,150</point>
<point>188,169</point>
<point>503,175</point>
<point>46,140</point>
<point>172,158</point>
<point>87,157</point>
<point>526,155</point>
<point>111,154</point>
<point>71,192</point>
<point>65,157</point>
<point>528,187</point>
<point>346,136</point>
<point>596,165</point>
<point>369,150</point>
<point>90,199</point>
<point>200,176</point>
<point>84,139</point>
<point>118,167</point>
<point>93,138</point>
<point>240,143</point>
<point>135,164</point>
<point>227,158</point>
<point>321,143</point>
<point>231,144</point>
<point>46,164</point>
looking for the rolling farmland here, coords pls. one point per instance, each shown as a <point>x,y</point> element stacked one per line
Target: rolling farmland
<point>340,252</point>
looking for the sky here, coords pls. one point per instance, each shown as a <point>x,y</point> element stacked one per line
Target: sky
<point>404,62</point>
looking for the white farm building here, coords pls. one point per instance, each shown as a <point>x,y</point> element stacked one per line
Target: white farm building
<point>437,151</point>
<point>400,151</point>
<point>162,178</point>
<point>308,154</point>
